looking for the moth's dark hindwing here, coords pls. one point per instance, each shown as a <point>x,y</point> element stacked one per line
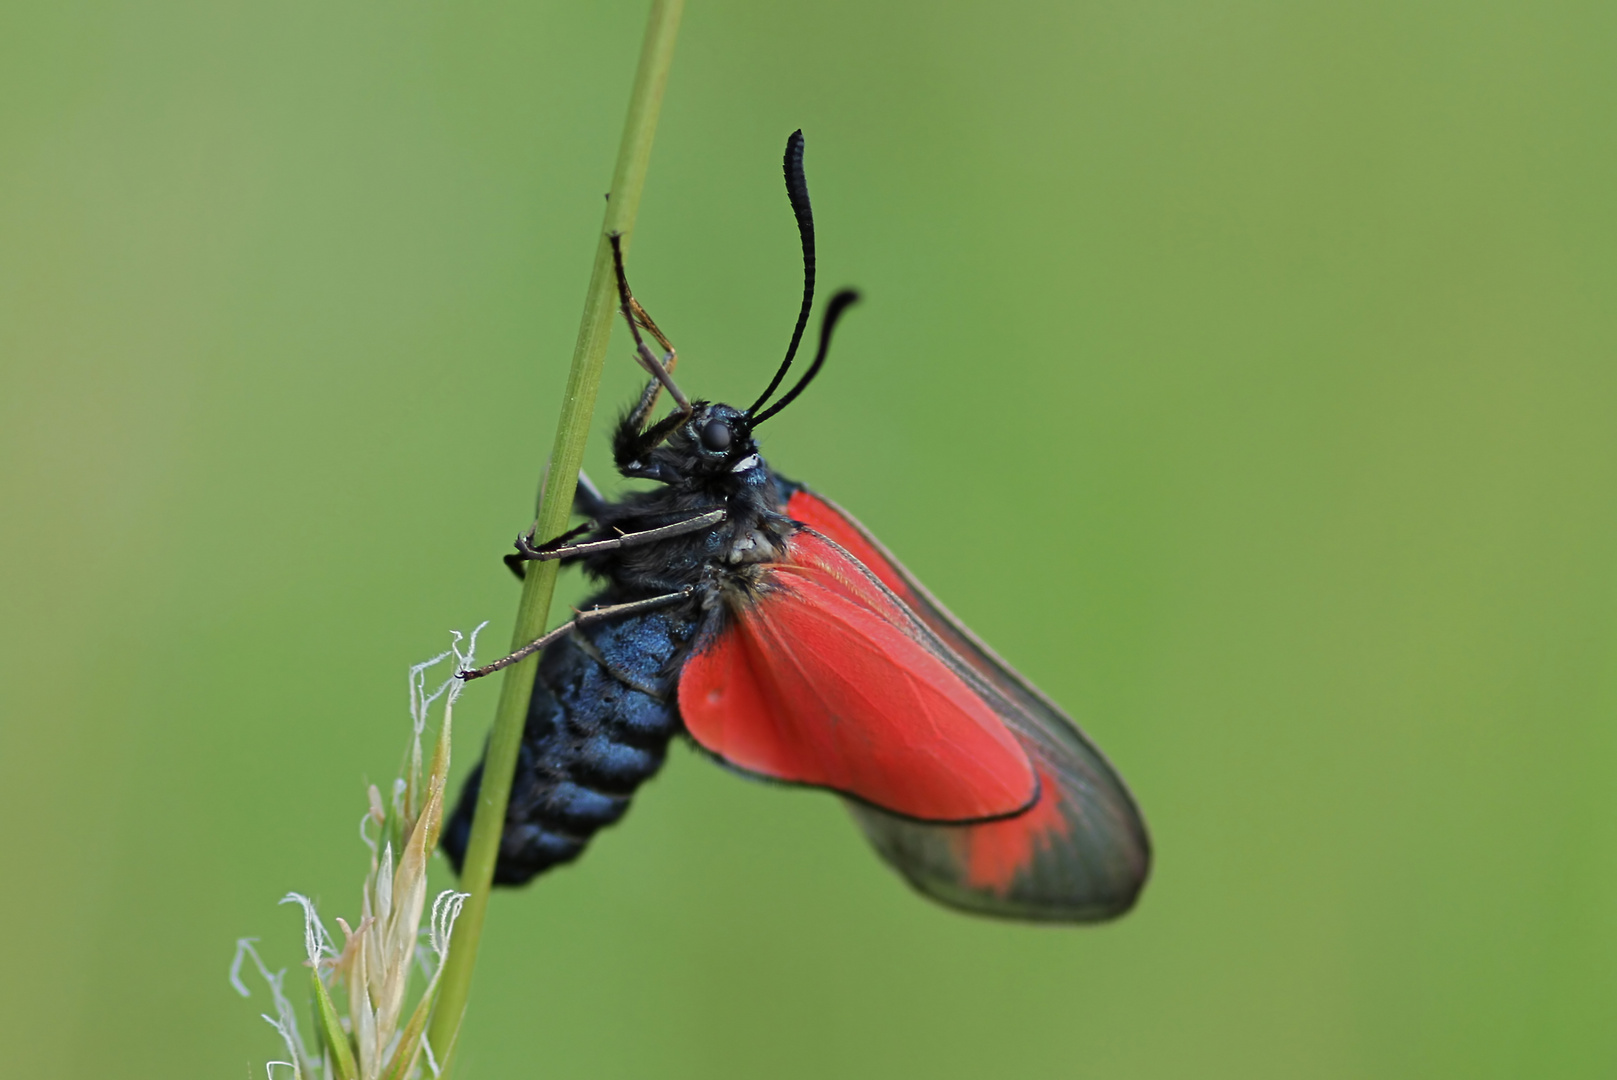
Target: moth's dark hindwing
<point>598,727</point>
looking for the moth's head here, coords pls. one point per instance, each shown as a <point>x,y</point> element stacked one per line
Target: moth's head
<point>715,442</point>
<point>702,442</point>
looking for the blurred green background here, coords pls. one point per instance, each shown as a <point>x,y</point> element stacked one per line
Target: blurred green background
<point>1242,371</point>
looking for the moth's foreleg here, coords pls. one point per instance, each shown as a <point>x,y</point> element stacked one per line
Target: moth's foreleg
<point>659,370</point>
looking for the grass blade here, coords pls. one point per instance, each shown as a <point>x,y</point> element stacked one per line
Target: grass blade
<point>572,431</point>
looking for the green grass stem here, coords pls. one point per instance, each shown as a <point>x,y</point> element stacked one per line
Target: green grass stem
<point>555,509</point>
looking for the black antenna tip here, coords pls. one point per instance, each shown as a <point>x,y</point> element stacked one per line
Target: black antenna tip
<point>796,182</point>
<point>797,194</point>
<point>840,303</point>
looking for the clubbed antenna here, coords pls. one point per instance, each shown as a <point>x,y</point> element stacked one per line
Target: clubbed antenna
<point>797,192</point>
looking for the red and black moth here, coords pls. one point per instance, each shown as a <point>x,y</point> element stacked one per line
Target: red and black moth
<point>765,624</point>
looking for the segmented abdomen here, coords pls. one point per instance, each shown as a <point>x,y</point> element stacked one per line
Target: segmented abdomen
<point>598,726</point>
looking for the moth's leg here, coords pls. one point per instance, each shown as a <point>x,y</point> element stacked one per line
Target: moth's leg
<point>635,316</point>
<point>524,545</point>
<point>580,618</point>
<point>648,396</point>
<point>643,317</point>
<point>587,502</point>
<point>557,549</point>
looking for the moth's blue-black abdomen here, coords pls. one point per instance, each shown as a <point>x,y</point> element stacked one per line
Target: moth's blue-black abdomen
<point>598,727</point>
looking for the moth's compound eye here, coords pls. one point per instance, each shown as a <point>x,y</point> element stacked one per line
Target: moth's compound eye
<point>716,436</point>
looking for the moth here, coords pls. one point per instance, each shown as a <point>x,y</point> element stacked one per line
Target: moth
<point>761,621</point>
